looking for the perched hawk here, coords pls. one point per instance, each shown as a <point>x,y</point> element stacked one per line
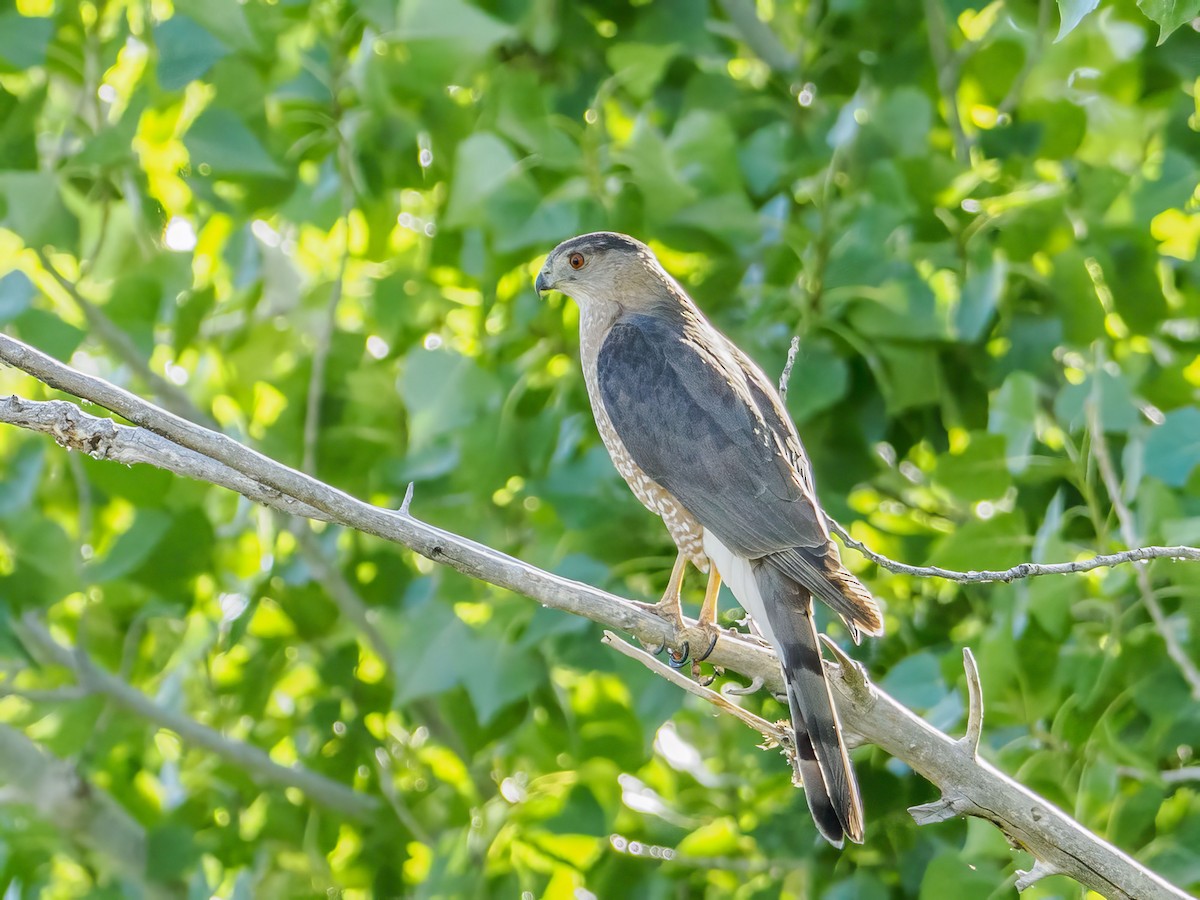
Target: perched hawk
<point>703,439</point>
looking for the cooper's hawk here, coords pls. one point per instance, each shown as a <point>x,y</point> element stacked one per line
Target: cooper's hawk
<point>703,439</point>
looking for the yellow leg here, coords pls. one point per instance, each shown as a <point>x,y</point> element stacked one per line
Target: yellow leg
<point>708,622</point>
<point>708,612</point>
<point>669,606</point>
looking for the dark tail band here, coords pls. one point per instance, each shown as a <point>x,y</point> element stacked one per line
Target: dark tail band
<point>822,762</point>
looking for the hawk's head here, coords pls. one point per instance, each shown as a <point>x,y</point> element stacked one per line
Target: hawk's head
<point>603,267</point>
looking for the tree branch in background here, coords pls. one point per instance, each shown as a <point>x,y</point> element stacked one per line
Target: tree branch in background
<point>758,36</point>
<point>173,397</point>
<point>969,785</point>
<point>1112,485</point>
<point>947,76</point>
<point>1009,103</point>
<point>60,796</point>
<point>320,358</point>
<point>250,759</point>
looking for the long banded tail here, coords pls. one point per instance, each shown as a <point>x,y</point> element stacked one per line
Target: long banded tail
<point>822,762</point>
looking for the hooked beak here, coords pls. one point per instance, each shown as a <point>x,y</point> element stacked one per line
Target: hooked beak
<point>542,283</point>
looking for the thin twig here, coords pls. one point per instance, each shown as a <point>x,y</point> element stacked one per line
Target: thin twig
<point>970,740</point>
<point>59,795</point>
<point>1023,570</point>
<point>947,76</point>
<point>758,35</point>
<point>772,731</point>
<point>348,601</point>
<point>1168,776</point>
<point>1040,869</point>
<point>1009,103</point>
<point>383,770</point>
<point>786,375</point>
<point>1112,484</point>
<point>320,360</point>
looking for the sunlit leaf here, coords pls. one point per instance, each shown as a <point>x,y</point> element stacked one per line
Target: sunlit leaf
<point>1072,12</point>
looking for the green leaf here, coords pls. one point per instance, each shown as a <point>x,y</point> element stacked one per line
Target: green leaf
<point>1117,409</point>
<point>16,295</point>
<point>23,40</point>
<point>171,850</point>
<point>901,307</point>
<point>21,474</point>
<point>132,548</point>
<point>224,19</point>
<point>450,20</point>
<point>820,379</point>
<point>220,141</point>
<point>951,875</point>
<point>916,681</point>
<point>1072,13</point>
<point>639,67</point>
<point>48,333</point>
<point>1012,413</point>
<point>913,376</point>
<point>980,295</point>
<point>979,472</point>
<point>142,486</point>
<point>905,117</point>
<point>441,665</point>
<point>1173,448</point>
<point>483,163</point>
<point>714,840</point>
<point>499,674</point>
<point>32,206</point>
<point>186,52</point>
<point>443,392</point>
<point>1169,14</point>
<point>764,157</point>
<point>463,27</point>
<point>41,548</point>
<point>995,543</point>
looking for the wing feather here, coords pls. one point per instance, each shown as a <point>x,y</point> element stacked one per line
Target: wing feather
<point>702,421</point>
<point>687,414</point>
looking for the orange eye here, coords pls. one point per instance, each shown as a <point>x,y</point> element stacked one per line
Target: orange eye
<point>576,260</point>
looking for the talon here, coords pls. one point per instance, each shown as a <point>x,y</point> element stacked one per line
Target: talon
<point>654,651</point>
<point>676,660</point>
<point>712,646</point>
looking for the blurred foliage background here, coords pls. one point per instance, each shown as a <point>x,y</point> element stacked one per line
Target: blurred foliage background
<point>315,223</point>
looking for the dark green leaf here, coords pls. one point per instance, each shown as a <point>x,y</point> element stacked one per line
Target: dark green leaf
<point>220,144</point>
<point>23,40</point>
<point>16,294</point>
<point>994,543</point>
<point>979,472</point>
<point>1173,448</point>
<point>1012,413</point>
<point>185,52</point>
